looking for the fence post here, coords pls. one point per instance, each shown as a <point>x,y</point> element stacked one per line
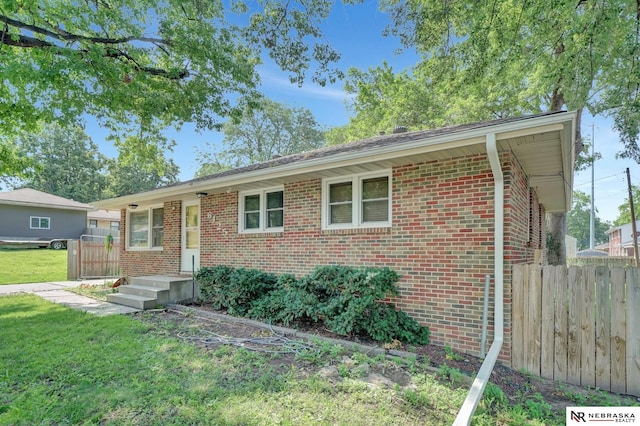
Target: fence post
<point>73,256</point>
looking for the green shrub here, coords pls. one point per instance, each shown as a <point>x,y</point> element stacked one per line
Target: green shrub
<point>385,324</point>
<point>233,289</point>
<point>247,286</point>
<point>348,300</point>
<point>290,301</point>
<point>214,281</point>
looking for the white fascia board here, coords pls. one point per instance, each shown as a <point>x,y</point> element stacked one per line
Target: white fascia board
<point>452,140</point>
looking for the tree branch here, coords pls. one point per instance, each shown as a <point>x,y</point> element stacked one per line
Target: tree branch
<point>62,35</point>
<point>23,41</point>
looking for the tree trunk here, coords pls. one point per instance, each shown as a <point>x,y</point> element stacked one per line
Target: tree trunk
<point>557,222</point>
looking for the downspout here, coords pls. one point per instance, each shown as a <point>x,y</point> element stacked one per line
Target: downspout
<point>482,378</point>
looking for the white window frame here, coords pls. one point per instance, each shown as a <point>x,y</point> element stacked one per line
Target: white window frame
<point>149,210</point>
<point>262,228</point>
<point>39,222</point>
<point>356,199</point>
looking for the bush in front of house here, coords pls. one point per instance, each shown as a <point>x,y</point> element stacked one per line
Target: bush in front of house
<point>346,300</point>
<point>233,289</point>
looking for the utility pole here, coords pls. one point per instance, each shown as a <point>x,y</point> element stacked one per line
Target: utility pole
<point>633,220</point>
<point>592,227</point>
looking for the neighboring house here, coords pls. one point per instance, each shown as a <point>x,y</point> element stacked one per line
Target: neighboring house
<point>104,219</point>
<point>30,216</point>
<point>443,208</point>
<point>621,240</point>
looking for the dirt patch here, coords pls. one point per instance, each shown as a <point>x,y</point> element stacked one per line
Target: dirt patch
<point>211,329</point>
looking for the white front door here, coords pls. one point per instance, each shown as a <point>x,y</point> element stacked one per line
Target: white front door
<point>190,236</point>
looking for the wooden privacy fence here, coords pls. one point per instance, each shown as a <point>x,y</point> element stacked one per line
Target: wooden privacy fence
<point>89,258</point>
<point>579,325</point>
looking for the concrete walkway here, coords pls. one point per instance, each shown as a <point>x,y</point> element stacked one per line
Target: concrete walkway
<point>55,292</point>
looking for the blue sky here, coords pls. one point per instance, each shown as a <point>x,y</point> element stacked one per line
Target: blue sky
<point>356,31</point>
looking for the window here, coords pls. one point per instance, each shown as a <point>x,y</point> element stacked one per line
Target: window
<point>358,201</point>
<point>261,211</point>
<point>114,225</point>
<point>146,228</point>
<point>37,222</point>
<point>93,223</point>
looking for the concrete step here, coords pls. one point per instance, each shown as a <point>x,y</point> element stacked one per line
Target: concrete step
<point>159,281</point>
<point>150,291</point>
<point>138,302</point>
<point>160,295</point>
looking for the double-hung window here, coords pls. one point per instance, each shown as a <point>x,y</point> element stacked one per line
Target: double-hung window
<point>357,201</point>
<point>38,222</point>
<point>146,228</point>
<point>261,211</point>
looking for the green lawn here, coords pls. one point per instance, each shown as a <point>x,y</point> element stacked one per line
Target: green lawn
<point>32,265</point>
<point>61,366</point>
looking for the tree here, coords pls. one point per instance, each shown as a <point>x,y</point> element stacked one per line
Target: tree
<point>68,163</point>
<point>141,164</point>
<point>274,129</point>
<point>624,210</point>
<point>491,59</point>
<point>139,60</point>
<point>579,222</point>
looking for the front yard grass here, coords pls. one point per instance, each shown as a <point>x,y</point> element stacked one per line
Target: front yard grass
<point>20,265</point>
<point>61,366</point>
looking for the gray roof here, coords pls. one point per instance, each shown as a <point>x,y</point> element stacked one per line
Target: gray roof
<point>34,198</point>
<point>543,144</point>
<point>592,253</point>
<point>365,145</point>
<point>112,215</point>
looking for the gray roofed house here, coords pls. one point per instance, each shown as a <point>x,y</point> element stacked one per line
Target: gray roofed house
<point>443,208</point>
<point>28,215</point>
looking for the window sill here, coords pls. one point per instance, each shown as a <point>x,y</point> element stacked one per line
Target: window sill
<point>144,249</point>
<point>357,231</point>
<point>261,234</point>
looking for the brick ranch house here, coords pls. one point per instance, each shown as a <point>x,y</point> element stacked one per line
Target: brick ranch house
<point>423,203</point>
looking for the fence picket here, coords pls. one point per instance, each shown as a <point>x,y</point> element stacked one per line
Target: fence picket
<point>560,327</point>
<point>618,330</point>
<point>579,325</point>
<point>517,354</point>
<point>548,330</point>
<point>587,327</point>
<point>534,313</point>
<point>603,329</point>
<point>573,326</point>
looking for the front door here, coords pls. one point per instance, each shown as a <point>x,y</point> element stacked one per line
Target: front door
<point>190,236</point>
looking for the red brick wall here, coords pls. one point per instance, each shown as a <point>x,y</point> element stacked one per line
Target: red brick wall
<point>152,262</point>
<point>441,241</point>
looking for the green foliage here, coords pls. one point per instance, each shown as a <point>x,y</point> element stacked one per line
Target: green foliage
<point>266,129</point>
<point>451,355</point>
<point>213,284</point>
<point>347,300</point>
<point>624,210</point>
<point>579,219</point>
<point>68,163</point>
<point>290,301</point>
<point>234,289</point>
<point>173,61</point>
<point>141,164</point>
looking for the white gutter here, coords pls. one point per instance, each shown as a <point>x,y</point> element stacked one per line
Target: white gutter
<point>482,378</point>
